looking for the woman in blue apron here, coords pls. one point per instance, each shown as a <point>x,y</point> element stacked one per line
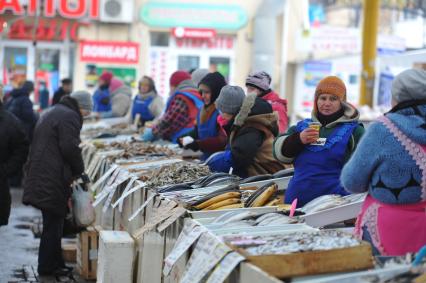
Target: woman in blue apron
<point>147,103</point>
<point>207,135</point>
<point>319,147</point>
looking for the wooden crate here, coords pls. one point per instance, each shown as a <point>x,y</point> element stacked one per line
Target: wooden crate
<point>314,262</point>
<point>87,253</point>
<point>69,252</point>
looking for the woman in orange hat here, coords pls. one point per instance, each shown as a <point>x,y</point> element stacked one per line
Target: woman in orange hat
<point>319,147</point>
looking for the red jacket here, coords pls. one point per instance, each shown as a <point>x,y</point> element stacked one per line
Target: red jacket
<point>279,105</point>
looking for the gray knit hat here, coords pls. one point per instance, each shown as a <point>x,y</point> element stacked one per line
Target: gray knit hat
<point>409,85</point>
<point>84,99</point>
<point>198,75</point>
<point>230,99</point>
<point>260,80</point>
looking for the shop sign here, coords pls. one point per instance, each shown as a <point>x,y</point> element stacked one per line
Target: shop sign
<point>67,9</point>
<point>193,33</point>
<point>217,42</point>
<point>126,75</point>
<point>336,40</point>
<point>45,29</point>
<point>193,15</point>
<point>109,51</point>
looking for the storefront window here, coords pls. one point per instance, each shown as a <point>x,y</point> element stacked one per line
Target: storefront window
<point>47,72</point>
<point>160,39</point>
<point>221,65</point>
<point>15,66</point>
<point>188,63</point>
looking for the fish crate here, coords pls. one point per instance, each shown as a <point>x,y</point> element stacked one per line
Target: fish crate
<point>313,262</point>
<point>87,253</point>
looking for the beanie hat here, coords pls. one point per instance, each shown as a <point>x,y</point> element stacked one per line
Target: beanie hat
<point>230,99</point>
<point>198,75</point>
<point>106,77</point>
<point>84,99</point>
<point>409,85</point>
<point>179,76</point>
<point>260,80</point>
<point>215,81</point>
<point>330,85</point>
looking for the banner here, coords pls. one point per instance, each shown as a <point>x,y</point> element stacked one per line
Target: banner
<point>109,51</point>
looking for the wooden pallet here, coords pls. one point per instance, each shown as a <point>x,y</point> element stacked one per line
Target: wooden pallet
<point>87,253</point>
<point>69,252</point>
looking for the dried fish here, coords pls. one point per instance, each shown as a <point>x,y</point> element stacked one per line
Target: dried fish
<point>295,242</point>
<point>284,173</point>
<point>256,178</point>
<point>323,202</point>
<point>177,173</point>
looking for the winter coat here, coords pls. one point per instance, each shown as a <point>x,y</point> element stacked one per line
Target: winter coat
<point>252,134</point>
<point>55,158</point>
<point>13,153</point>
<point>121,99</point>
<point>390,164</point>
<point>59,93</point>
<point>279,105</point>
<point>21,106</point>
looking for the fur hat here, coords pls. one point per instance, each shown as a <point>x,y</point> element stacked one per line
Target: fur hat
<point>330,85</point>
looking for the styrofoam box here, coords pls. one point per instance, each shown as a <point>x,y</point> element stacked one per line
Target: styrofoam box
<point>116,256</point>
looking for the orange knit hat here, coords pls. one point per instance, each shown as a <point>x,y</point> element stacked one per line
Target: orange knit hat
<point>330,85</point>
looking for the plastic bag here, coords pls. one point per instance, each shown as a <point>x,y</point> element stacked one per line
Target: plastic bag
<point>84,212</point>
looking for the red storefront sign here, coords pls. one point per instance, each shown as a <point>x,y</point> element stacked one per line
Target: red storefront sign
<point>217,42</point>
<point>46,29</point>
<point>109,52</point>
<point>193,33</point>
<point>78,9</point>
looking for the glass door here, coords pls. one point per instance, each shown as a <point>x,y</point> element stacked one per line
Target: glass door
<point>14,67</point>
<point>47,75</point>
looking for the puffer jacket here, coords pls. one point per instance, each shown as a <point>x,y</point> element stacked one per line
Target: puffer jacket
<point>13,153</point>
<point>55,158</point>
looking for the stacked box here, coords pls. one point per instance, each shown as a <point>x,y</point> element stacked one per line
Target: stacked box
<point>87,253</point>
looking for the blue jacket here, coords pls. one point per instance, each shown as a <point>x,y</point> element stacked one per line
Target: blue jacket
<point>382,166</point>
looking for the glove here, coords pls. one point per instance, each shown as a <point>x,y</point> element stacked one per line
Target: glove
<point>84,181</point>
<point>220,162</point>
<point>147,135</point>
<point>193,146</point>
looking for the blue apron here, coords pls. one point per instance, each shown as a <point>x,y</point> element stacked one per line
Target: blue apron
<point>208,129</point>
<point>318,168</point>
<point>97,97</point>
<point>197,102</point>
<point>141,106</point>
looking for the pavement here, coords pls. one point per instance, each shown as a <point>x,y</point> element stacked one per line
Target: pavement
<point>19,247</point>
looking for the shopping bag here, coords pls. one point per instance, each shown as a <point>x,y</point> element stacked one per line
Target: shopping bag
<point>84,213</point>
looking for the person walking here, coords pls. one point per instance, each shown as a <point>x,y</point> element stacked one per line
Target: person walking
<point>13,153</point>
<point>319,147</point>
<point>21,106</point>
<point>181,110</point>
<point>64,89</point>
<point>390,164</point>
<point>147,103</point>
<point>259,83</point>
<point>54,162</point>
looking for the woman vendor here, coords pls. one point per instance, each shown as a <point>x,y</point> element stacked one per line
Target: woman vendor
<point>147,103</point>
<point>207,135</point>
<point>319,147</point>
<point>390,164</point>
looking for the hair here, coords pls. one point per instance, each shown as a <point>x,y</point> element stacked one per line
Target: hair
<point>151,83</point>
<point>66,81</point>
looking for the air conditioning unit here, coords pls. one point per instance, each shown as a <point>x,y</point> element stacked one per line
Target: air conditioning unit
<point>116,11</point>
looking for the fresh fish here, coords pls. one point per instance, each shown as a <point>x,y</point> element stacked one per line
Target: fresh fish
<point>257,193</point>
<point>230,188</point>
<point>224,181</point>
<point>174,188</point>
<point>256,178</point>
<point>203,182</point>
<point>284,173</point>
<point>319,200</point>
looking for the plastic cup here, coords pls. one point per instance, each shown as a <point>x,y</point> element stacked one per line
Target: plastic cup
<point>315,125</point>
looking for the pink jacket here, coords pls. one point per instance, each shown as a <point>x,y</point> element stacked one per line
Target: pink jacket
<point>279,105</point>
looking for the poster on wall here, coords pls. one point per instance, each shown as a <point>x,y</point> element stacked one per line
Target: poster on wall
<point>384,95</point>
<point>127,75</point>
<point>158,69</point>
<point>314,71</point>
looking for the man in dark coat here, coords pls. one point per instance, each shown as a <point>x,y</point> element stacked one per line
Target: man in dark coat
<point>22,107</point>
<point>54,162</point>
<point>13,152</point>
<point>64,89</point>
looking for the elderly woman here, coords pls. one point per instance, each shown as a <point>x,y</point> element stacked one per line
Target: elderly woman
<point>390,163</point>
<point>147,103</point>
<point>319,147</point>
